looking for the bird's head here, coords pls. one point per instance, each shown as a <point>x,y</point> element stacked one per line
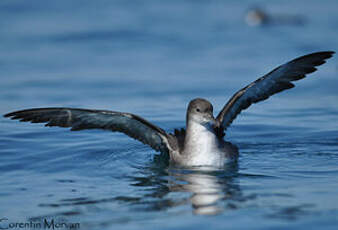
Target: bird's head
<point>200,111</point>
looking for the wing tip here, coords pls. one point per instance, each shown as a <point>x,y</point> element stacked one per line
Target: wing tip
<point>318,58</point>
<point>7,115</point>
<point>18,114</point>
<point>328,54</point>
<point>12,115</point>
<point>325,55</point>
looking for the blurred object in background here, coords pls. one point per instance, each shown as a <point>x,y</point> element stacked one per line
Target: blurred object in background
<point>257,16</point>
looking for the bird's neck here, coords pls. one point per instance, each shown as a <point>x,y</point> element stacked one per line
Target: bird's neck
<point>199,139</point>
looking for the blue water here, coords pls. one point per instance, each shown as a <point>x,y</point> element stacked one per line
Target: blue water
<point>150,58</point>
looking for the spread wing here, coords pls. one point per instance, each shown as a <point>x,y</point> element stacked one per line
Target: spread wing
<point>274,82</point>
<point>80,119</point>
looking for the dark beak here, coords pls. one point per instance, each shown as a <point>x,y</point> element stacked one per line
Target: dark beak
<point>211,119</point>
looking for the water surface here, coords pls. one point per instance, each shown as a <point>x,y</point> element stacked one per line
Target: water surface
<point>151,58</point>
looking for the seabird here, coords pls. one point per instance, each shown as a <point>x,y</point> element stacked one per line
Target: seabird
<point>202,142</point>
<point>257,17</point>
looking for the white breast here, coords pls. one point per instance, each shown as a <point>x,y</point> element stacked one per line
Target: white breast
<point>202,147</point>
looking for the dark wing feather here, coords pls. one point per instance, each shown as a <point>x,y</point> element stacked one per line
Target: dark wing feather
<point>274,82</point>
<point>79,119</point>
<point>180,136</point>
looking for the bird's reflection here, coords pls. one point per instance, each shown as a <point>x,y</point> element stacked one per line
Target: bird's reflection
<point>207,191</point>
<point>206,188</point>
<point>159,187</point>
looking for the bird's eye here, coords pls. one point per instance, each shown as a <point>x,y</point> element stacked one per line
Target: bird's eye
<point>198,110</point>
